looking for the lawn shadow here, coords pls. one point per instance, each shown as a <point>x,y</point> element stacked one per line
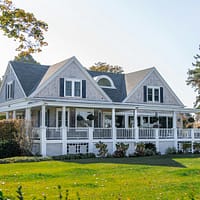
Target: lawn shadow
<point>164,160</point>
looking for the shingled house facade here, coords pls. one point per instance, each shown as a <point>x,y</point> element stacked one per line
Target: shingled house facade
<point>71,108</point>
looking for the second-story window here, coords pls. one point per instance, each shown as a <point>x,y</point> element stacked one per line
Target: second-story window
<point>73,88</point>
<point>10,90</point>
<point>153,94</point>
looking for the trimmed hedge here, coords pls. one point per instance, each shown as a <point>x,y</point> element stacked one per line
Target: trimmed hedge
<point>9,148</point>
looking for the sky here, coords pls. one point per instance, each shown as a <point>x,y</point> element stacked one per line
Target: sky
<point>134,34</point>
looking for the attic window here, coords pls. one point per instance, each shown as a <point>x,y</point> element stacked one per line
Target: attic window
<point>104,81</point>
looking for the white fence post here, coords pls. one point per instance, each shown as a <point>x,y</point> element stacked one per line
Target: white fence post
<point>90,137</point>
<point>64,142</point>
<point>136,134</point>
<point>192,143</point>
<point>157,139</point>
<point>43,141</point>
<point>175,138</point>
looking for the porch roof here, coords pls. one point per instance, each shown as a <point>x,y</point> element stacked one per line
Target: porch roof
<point>35,102</point>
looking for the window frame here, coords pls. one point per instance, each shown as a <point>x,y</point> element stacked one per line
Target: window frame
<point>66,117</point>
<point>73,88</point>
<point>153,89</point>
<point>98,78</point>
<point>9,90</point>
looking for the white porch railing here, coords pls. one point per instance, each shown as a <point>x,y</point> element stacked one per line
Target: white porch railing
<point>166,133</point>
<point>197,133</point>
<point>53,133</point>
<point>102,133</point>
<point>36,133</point>
<point>184,133</point>
<point>147,133</point>
<point>77,133</point>
<point>125,133</point>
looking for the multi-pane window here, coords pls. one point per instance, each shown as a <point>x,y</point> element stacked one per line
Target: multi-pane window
<point>59,118</point>
<point>73,88</point>
<point>77,88</point>
<point>68,88</point>
<point>153,94</point>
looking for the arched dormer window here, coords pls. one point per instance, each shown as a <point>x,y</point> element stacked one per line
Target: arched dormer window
<point>104,81</point>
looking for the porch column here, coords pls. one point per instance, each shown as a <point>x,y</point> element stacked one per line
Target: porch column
<point>175,131</point>
<point>28,114</point>
<point>136,125</point>
<point>14,114</point>
<point>64,135</point>
<point>113,129</point>
<point>43,132</point>
<point>7,115</point>
<point>193,140</point>
<point>27,120</point>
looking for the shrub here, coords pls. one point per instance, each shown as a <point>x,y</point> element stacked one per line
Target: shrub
<point>186,147</point>
<point>9,148</point>
<point>150,146</point>
<point>140,149</point>
<point>145,149</point>
<point>171,150</point>
<point>14,138</point>
<point>102,148</point>
<point>121,149</point>
<point>74,156</point>
<point>196,147</point>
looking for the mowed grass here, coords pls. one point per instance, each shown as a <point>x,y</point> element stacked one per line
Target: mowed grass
<point>157,177</point>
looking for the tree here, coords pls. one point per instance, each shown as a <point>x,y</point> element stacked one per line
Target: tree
<point>194,78</point>
<point>104,67</point>
<point>26,59</point>
<point>23,27</point>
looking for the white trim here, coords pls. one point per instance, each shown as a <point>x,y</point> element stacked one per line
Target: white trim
<point>64,67</point>
<point>153,94</point>
<point>92,80</point>
<point>98,78</point>
<point>60,109</point>
<point>73,87</point>
<point>137,86</point>
<point>164,84</point>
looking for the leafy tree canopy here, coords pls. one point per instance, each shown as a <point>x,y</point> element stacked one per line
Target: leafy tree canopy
<point>104,67</point>
<point>194,78</point>
<point>23,27</point>
<point>26,59</point>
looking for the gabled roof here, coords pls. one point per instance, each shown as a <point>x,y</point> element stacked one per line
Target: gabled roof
<point>53,69</point>
<point>134,78</point>
<point>116,94</point>
<point>29,75</point>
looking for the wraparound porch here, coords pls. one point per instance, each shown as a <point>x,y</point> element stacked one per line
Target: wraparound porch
<point>86,138</point>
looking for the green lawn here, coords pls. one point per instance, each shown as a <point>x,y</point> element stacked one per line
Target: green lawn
<point>129,178</point>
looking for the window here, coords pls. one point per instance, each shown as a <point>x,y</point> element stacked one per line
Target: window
<point>59,118</point>
<point>10,90</point>
<point>104,81</point>
<point>153,94</point>
<point>73,88</point>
